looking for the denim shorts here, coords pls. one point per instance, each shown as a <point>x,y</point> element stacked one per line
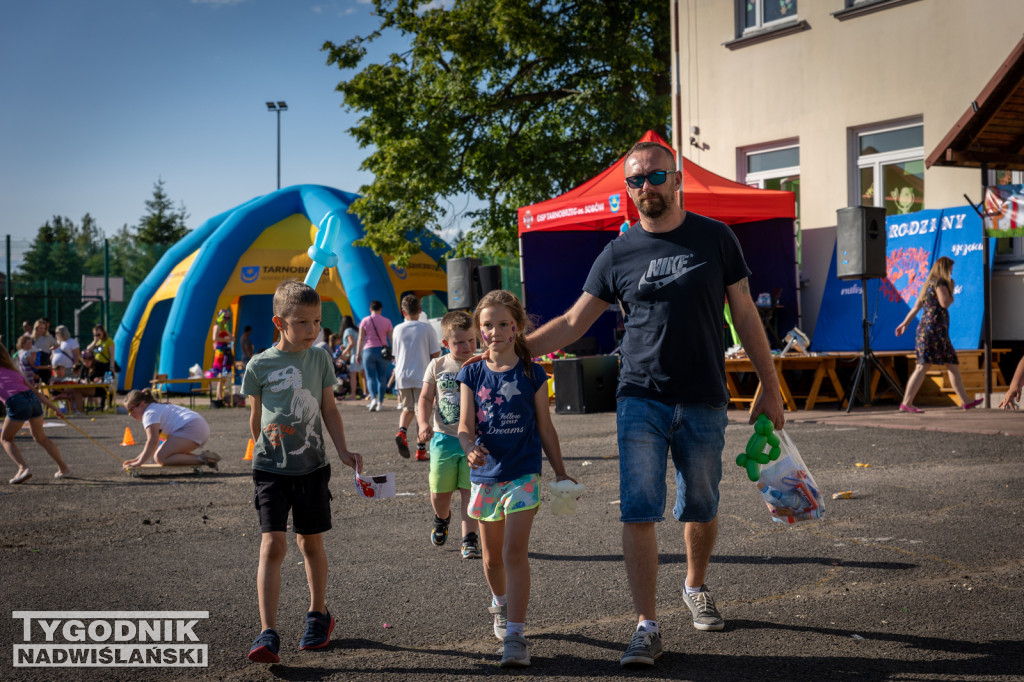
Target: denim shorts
<point>694,435</point>
<point>24,406</point>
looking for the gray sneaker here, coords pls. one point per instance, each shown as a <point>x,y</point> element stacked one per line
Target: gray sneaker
<point>705,614</point>
<point>500,620</point>
<point>643,649</point>
<point>515,654</point>
<point>209,458</point>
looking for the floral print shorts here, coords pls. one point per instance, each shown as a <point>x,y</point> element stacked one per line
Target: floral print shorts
<point>495,501</point>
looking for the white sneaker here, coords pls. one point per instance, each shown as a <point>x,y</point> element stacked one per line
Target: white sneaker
<point>372,405</point>
<point>376,407</point>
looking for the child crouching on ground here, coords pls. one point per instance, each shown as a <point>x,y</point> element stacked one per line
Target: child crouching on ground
<point>291,386</point>
<point>449,469</point>
<point>503,426</point>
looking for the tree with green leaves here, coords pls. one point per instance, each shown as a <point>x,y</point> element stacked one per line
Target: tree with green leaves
<point>162,224</point>
<point>497,104</point>
<point>62,251</point>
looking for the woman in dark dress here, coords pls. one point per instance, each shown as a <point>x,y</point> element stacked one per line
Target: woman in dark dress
<point>932,340</point>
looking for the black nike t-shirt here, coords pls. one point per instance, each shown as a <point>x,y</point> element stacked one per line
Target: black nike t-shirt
<point>671,287</point>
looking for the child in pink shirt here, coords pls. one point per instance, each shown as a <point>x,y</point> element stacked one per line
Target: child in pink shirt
<point>23,405</point>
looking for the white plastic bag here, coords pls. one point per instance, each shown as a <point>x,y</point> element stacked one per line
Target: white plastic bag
<point>788,488</point>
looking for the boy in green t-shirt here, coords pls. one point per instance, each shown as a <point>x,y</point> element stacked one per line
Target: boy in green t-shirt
<point>290,389</point>
<point>449,469</point>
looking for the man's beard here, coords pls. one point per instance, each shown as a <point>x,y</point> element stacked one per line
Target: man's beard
<point>652,205</point>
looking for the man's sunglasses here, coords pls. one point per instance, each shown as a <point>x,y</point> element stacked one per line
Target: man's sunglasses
<point>655,178</point>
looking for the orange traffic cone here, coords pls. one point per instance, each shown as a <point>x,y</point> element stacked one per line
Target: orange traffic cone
<point>127,440</point>
<point>248,450</point>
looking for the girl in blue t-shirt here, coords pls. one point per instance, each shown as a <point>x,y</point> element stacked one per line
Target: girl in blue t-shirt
<point>503,426</point>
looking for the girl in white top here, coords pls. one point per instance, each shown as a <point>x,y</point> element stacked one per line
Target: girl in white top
<point>186,432</point>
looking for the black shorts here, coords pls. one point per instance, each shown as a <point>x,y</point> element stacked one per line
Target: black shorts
<point>308,496</point>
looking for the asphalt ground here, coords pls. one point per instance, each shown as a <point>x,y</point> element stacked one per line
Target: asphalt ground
<point>919,576</point>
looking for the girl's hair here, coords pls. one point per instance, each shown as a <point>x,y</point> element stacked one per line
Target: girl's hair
<point>41,322</point>
<point>941,273</point>
<point>5,358</point>
<point>23,338</point>
<point>347,323</point>
<point>102,331</point>
<point>508,300</point>
<point>62,333</point>
<point>136,398</point>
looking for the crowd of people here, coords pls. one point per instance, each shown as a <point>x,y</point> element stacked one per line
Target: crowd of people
<point>483,421</point>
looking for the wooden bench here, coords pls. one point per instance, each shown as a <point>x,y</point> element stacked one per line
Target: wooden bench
<point>824,367</point>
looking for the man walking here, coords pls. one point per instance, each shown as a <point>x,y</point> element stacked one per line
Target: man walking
<point>671,273</point>
<point>415,344</point>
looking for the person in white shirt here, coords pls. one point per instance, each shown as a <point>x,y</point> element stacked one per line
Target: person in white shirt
<point>186,432</point>
<point>415,344</point>
<point>69,346</point>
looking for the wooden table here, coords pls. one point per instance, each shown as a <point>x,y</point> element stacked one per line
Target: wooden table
<point>206,385</point>
<point>824,367</point>
<point>52,390</point>
<point>935,389</point>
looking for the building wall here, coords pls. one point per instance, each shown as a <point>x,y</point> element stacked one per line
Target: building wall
<point>925,59</point>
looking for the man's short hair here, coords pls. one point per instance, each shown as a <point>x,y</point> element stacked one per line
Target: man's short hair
<point>411,305</point>
<point>376,305</point>
<point>454,321</point>
<point>642,146</point>
<point>291,294</point>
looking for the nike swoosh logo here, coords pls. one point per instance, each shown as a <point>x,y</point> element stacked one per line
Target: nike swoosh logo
<point>668,279</point>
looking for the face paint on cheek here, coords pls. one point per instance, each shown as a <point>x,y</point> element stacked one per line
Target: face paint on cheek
<point>512,339</point>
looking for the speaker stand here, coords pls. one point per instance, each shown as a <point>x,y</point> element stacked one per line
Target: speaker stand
<point>867,361</point>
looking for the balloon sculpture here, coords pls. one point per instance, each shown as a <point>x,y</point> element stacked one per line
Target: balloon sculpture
<point>763,447</point>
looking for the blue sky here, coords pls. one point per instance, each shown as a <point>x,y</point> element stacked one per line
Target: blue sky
<point>104,97</point>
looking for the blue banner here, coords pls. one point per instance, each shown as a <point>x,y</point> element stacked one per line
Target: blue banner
<point>913,242</point>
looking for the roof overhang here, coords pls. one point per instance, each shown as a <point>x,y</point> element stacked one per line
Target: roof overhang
<point>991,131</point>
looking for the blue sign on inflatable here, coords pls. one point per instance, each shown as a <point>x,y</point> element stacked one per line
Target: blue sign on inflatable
<point>913,242</point>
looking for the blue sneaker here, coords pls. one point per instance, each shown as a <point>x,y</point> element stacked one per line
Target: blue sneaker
<point>319,627</point>
<point>264,649</point>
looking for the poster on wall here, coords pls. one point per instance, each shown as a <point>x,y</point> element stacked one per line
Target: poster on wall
<point>913,242</point>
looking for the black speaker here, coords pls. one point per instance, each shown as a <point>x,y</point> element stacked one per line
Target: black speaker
<point>463,289</point>
<point>860,242</point>
<point>490,278</point>
<point>586,384</point>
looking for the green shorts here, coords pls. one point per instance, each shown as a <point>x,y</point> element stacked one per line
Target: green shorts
<point>449,469</point>
<point>495,501</point>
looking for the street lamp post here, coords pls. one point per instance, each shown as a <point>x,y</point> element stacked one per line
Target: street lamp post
<point>278,107</point>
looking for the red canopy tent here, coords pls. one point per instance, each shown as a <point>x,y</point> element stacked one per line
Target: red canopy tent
<point>580,222</point>
<point>601,203</point>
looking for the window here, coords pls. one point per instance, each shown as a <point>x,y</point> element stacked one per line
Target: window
<point>890,167</point>
<point>1010,249</point>
<point>774,167</point>
<point>760,14</point>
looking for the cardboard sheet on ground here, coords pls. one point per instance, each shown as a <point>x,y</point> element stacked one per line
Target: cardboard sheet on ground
<point>376,486</point>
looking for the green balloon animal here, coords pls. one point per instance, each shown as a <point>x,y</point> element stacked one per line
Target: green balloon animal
<point>763,447</point>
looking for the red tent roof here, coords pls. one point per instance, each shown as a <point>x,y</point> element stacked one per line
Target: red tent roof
<point>602,203</point>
